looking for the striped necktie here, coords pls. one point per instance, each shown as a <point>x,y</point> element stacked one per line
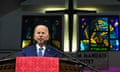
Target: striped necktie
<point>40,52</point>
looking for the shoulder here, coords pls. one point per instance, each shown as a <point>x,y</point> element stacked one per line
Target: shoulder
<point>30,46</point>
<point>53,49</point>
<point>27,50</point>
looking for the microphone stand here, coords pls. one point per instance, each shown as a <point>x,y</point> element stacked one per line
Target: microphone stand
<point>12,55</point>
<point>73,59</point>
<point>82,64</point>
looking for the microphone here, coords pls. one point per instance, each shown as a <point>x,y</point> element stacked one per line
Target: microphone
<point>73,59</point>
<point>12,55</point>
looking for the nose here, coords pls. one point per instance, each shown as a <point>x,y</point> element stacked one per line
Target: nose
<point>40,34</point>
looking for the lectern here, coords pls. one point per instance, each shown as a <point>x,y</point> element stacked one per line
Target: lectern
<point>39,64</point>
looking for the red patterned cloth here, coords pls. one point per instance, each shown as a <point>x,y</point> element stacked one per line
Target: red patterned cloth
<point>37,64</point>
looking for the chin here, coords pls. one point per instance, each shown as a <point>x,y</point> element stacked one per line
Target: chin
<point>41,42</point>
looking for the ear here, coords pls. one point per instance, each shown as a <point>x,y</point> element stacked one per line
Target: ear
<point>47,37</point>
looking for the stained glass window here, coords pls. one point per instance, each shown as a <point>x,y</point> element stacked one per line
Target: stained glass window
<point>53,22</point>
<point>99,33</point>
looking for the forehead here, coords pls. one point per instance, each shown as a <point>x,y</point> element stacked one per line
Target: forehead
<point>41,28</point>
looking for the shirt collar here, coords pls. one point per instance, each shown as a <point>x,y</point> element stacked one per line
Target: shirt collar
<point>38,46</point>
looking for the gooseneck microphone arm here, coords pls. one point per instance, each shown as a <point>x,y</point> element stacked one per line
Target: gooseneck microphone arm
<point>73,59</point>
<point>79,62</point>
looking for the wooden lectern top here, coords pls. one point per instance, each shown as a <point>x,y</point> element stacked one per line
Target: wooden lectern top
<point>39,64</point>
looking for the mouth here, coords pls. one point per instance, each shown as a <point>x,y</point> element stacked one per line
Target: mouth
<point>40,39</point>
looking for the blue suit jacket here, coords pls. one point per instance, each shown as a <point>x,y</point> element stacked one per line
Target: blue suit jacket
<point>31,51</point>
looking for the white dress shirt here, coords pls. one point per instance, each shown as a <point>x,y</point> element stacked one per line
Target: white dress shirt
<point>43,50</point>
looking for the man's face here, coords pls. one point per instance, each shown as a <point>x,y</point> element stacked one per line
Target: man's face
<point>41,34</point>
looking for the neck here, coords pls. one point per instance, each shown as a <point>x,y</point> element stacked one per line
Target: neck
<point>41,45</point>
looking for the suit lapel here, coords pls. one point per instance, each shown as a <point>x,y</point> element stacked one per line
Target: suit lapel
<point>34,53</point>
<point>47,52</point>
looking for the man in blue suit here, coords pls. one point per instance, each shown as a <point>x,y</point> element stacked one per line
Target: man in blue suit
<point>41,35</point>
